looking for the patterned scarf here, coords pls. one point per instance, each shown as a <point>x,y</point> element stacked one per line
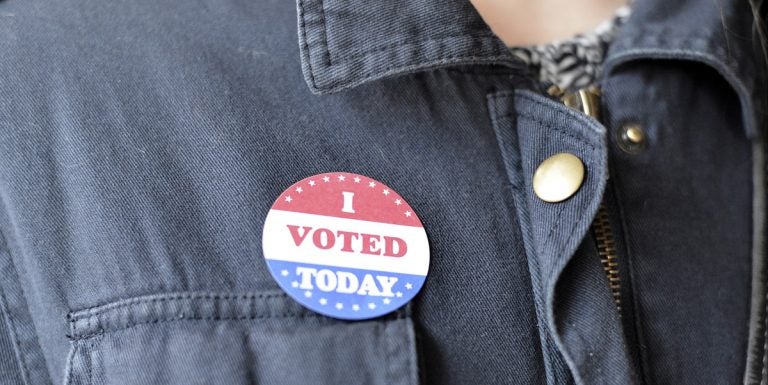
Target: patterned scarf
<point>575,62</point>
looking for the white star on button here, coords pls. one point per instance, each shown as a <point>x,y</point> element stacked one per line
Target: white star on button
<point>342,178</point>
<point>299,190</point>
<point>386,301</point>
<point>371,305</point>
<point>294,284</point>
<point>288,199</point>
<point>312,183</point>
<point>407,213</point>
<point>357,180</point>
<point>339,305</point>
<point>355,307</point>
<point>371,184</point>
<point>408,286</point>
<point>307,294</point>
<point>323,301</point>
<point>326,179</point>
<point>385,192</point>
<point>284,273</point>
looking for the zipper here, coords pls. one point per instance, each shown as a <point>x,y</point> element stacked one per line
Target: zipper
<point>606,249</point>
<point>587,100</point>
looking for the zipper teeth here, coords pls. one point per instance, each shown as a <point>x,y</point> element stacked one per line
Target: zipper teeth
<point>606,249</point>
<point>587,101</point>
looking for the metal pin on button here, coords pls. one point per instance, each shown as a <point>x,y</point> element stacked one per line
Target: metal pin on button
<point>631,138</point>
<point>558,177</point>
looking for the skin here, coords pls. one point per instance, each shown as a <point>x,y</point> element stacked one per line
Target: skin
<point>527,22</point>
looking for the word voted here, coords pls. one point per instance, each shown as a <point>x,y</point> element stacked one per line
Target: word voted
<point>345,282</point>
<point>349,241</point>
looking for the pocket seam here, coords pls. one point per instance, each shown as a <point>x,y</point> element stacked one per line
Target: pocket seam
<point>70,363</point>
<point>97,309</point>
<point>91,327</point>
<point>161,308</point>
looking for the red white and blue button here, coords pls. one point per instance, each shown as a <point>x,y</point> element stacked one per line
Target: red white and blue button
<point>346,246</point>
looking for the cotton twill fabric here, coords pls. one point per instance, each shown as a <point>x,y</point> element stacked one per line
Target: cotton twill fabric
<point>142,144</point>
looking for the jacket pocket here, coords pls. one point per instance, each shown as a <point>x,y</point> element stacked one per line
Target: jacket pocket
<point>264,338</point>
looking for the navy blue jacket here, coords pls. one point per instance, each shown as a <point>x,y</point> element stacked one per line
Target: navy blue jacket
<point>143,142</point>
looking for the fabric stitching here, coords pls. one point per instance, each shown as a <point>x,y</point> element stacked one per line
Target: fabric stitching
<point>406,43</point>
<point>15,337</point>
<point>733,76</point>
<point>89,366</point>
<point>555,227</point>
<point>26,377</point>
<point>325,33</point>
<point>758,253</point>
<point>533,263</point>
<point>578,222</point>
<point>405,68</point>
<point>208,318</point>
<point>634,300</point>
<point>557,218</point>
<point>551,288</point>
<point>303,28</point>
<point>98,309</point>
<point>661,37</point>
<point>764,361</point>
<point>567,113</point>
<point>70,363</point>
<point>481,72</point>
<point>130,325</point>
<point>764,371</point>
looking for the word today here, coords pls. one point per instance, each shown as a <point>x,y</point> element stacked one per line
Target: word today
<point>345,282</point>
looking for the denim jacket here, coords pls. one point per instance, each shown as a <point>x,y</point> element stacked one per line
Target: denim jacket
<point>142,144</point>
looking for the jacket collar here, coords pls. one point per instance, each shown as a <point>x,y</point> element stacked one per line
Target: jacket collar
<point>347,43</point>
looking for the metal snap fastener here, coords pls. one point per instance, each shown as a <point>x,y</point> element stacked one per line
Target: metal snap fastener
<point>631,138</point>
<point>558,177</point>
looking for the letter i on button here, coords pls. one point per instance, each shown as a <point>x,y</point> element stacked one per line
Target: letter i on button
<point>346,246</point>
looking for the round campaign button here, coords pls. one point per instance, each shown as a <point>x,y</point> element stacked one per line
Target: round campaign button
<point>346,246</point>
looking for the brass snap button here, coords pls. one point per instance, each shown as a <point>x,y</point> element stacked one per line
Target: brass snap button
<point>558,177</point>
<point>631,138</point>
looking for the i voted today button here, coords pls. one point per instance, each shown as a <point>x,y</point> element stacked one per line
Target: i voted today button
<point>346,246</point>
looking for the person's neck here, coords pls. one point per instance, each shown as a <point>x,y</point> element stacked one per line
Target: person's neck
<point>526,22</point>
